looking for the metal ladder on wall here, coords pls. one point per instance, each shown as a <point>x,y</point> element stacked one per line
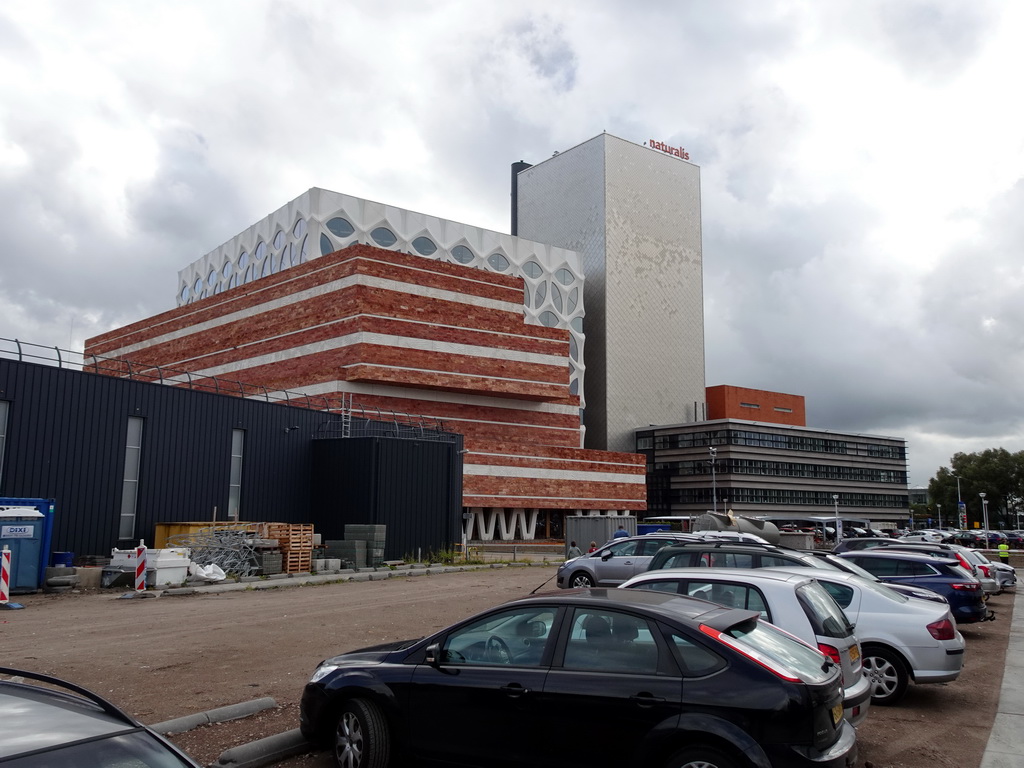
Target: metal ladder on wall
<point>346,414</point>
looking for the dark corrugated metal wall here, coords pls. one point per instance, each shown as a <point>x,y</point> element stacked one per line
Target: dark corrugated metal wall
<point>66,438</point>
<point>414,487</point>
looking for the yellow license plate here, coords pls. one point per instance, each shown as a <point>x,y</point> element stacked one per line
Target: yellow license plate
<point>854,653</point>
<point>837,713</point>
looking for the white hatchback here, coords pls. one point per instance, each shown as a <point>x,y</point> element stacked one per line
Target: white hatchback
<point>791,600</point>
<point>901,638</point>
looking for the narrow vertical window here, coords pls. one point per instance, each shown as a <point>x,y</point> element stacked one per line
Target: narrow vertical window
<point>235,489</point>
<point>3,434</point>
<point>130,488</point>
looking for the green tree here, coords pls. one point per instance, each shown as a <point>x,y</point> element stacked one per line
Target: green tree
<point>995,472</point>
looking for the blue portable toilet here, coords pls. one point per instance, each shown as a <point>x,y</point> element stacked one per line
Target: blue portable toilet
<point>26,527</point>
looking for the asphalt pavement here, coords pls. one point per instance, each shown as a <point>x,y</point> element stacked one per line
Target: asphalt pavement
<point>1005,743</point>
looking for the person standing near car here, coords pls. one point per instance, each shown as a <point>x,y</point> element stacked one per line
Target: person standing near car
<point>1004,552</point>
<point>621,533</point>
<point>574,551</point>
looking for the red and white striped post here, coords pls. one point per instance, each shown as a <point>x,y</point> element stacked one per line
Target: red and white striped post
<point>140,567</point>
<point>5,575</point>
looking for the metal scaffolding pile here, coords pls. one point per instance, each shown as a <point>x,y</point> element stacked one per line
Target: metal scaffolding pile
<point>232,549</point>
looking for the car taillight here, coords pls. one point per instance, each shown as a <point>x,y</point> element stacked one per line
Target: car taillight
<point>942,629</point>
<point>751,653</point>
<point>966,586</point>
<point>831,652</point>
<point>985,571</point>
<point>963,561</point>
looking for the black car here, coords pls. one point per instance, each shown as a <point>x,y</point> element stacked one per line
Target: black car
<point>586,677</point>
<point>61,724</point>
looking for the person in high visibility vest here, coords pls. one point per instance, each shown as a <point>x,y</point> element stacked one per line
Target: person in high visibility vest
<point>1004,552</point>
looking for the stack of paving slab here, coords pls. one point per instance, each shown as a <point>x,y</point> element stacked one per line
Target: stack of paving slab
<point>269,562</point>
<point>373,535</point>
<point>352,554</point>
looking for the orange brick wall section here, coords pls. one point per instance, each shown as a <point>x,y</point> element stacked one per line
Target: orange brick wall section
<point>725,402</point>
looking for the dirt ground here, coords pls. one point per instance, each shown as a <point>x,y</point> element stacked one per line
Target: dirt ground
<point>171,656</point>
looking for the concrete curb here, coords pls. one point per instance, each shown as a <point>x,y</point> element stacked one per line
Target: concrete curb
<point>220,715</point>
<point>266,751</point>
<point>297,580</point>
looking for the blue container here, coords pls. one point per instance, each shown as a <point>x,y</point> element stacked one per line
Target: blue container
<point>645,528</point>
<point>26,526</point>
<point>66,559</point>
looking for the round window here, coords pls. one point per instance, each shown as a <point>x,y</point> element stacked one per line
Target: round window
<point>573,300</point>
<point>326,246</point>
<point>564,276</point>
<point>462,254</point>
<point>550,319</point>
<point>260,252</point>
<point>424,246</point>
<point>532,269</point>
<point>383,237</point>
<point>340,227</point>
<point>299,229</point>
<point>278,239</point>
<point>498,261</point>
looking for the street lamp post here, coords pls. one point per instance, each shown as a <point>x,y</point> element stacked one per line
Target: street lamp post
<point>714,487</point>
<point>939,507</point>
<point>835,501</point>
<point>984,514</point>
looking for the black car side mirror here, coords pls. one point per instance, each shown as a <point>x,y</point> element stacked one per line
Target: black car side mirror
<point>607,555</point>
<point>433,655</point>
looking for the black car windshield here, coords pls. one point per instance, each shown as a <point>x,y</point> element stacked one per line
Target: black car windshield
<point>136,749</point>
<point>763,639</point>
<point>825,615</point>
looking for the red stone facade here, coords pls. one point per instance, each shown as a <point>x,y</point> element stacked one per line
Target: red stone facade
<point>411,335</point>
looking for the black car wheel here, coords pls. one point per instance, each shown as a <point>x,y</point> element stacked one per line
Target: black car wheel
<point>361,736</point>
<point>581,579</point>
<point>699,756</point>
<point>887,673</point>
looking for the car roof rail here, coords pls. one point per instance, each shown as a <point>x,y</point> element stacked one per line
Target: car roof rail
<point>106,706</point>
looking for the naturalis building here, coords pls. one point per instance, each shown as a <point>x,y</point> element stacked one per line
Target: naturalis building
<point>545,348</point>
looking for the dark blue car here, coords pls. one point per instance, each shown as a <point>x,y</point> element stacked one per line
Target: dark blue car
<point>940,574</point>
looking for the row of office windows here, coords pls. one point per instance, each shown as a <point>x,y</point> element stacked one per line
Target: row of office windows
<point>133,462</point>
<point>779,442</point>
<point>780,469</point>
<point>661,498</point>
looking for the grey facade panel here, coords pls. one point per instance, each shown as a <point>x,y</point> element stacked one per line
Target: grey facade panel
<point>634,215</point>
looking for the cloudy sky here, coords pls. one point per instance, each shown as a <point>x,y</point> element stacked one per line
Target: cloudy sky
<point>861,166</point>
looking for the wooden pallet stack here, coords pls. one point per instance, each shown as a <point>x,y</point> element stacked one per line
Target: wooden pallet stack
<point>295,541</point>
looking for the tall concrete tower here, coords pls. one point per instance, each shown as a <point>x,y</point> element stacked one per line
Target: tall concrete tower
<point>633,212</point>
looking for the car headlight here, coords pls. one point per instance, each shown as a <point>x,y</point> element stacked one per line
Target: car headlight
<point>322,671</point>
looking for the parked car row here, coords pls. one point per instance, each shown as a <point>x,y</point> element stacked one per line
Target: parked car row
<point>935,580</point>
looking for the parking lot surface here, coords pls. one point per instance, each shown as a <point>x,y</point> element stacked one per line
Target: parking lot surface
<point>173,656</point>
